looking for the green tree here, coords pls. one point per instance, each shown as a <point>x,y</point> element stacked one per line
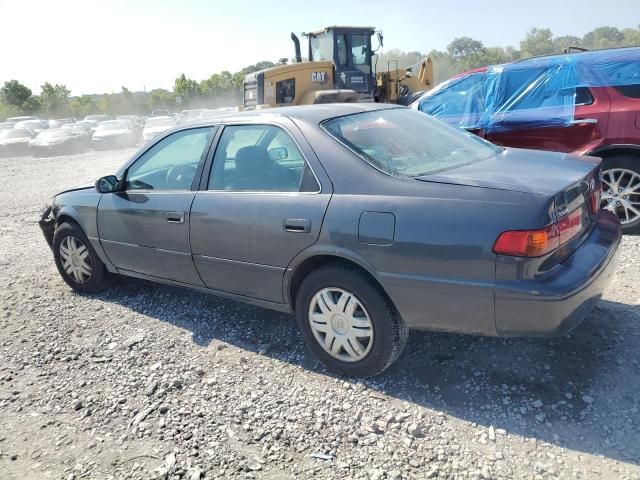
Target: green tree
<point>603,37</point>
<point>186,88</point>
<point>55,99</point>
<point>14,93</point>
<point>538,41</point>
<point>465,47</point>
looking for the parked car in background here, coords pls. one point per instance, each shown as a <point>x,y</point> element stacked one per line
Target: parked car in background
<point>58,122</point>
<point>191,115</point>
<point>35,125</point>
<point>88,124</point>
<point>15,141</point>
<point>605,123</point>
<point>20,119</point>
<point>154,126</point>
<point>97,118</point>
<point>55,141</point>
<point>365,220</point>
<point>82,130</point>
<point>160,113</point>
<point>135,120</point>
<point>114,134</point>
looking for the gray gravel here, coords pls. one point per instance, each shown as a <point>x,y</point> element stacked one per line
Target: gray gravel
<point>147,381</point>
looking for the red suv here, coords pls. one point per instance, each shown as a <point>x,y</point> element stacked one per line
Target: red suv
<point>600,119</point>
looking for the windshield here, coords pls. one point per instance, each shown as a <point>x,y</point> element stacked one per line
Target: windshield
<point>112,126</point>
<point>14,133</point>
<point>159,122</point>
<point>321,47</point>
<point>406,143</point>
<point>57,133</point>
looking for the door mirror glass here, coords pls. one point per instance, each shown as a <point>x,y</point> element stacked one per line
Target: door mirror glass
<point>278,153</point>
<point>107,184</point>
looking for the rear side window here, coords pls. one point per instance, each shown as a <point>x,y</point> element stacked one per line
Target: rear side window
<point>404,143</point>
<point>631,91</point>
<point>260,158</point>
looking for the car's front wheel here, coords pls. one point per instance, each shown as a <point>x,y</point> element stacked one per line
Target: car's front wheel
<point>348,322</point>
<point>77,261</point>
<point>621,190</point>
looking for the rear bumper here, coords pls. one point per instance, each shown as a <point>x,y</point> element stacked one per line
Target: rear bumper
<point>558,301</point>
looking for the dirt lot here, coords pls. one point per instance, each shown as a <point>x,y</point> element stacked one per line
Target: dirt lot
<point>148,381</point>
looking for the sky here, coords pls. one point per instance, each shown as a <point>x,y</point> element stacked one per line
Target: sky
<point>98,46</point>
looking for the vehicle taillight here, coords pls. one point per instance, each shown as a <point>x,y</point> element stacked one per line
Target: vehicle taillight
<point>595,199</point>
<point>535,243</point>
<point>570,225</point>
<point>528,243</point>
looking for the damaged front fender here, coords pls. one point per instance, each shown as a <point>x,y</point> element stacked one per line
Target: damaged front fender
<point>47,224</point>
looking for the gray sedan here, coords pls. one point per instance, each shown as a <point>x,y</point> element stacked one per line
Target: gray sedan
<point>365,220</point>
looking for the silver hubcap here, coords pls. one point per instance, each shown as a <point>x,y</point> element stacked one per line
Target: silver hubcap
<point>340,324</point>
<point>621,194</point>
<point>76,260</point>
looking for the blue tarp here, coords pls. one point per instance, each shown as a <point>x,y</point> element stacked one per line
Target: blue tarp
<point>537,92</point>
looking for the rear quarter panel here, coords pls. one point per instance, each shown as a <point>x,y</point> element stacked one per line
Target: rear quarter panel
<point>439,271</point>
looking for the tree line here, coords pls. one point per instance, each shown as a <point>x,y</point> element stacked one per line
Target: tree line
<point>225,88</point>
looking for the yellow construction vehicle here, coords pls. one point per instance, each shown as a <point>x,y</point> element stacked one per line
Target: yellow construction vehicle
<point>341,68</point>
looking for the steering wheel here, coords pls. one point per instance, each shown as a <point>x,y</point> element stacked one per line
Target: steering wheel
<point>180,177</point>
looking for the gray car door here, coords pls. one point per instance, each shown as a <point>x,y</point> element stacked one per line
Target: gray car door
<point>145,229</point>
<point>264,203</point>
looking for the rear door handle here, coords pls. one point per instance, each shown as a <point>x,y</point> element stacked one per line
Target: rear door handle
<point>175,217</point>
<point>297,225</point>
<point>584,121</point>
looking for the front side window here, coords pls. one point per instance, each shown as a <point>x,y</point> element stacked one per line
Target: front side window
<point>359,49</point>
<point>321,47</point>
<point>171,164</point>
<point>406,143</point>
<point>259,158</point>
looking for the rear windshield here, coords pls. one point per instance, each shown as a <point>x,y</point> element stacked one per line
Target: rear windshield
<point>405,143</point>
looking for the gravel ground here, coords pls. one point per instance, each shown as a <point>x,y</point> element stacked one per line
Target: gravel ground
<point>147,381</point>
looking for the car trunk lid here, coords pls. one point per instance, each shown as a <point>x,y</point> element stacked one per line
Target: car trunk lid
<point>519,170</point>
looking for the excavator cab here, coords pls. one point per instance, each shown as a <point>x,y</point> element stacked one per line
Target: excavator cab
<point>349,48</point>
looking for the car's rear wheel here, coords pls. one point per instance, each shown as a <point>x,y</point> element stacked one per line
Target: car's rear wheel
<point>621,190</point>
<point>348,322</point>
<point>77,261</point>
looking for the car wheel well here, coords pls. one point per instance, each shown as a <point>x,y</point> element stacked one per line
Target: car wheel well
<point>66,219</point>
<point>614,152</point>
<point>320,261</point>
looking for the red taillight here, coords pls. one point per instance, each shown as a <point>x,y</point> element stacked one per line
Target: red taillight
<point>535,243</point>
<point>570,225</point>
<point>528,243</point>
<point>595,199</point>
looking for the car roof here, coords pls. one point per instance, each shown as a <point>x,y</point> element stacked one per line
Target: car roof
<point>313,114</point>
<point>578,56</point>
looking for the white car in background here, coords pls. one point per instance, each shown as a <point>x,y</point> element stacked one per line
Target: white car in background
<point>35,125</point>
<point>154,126</point>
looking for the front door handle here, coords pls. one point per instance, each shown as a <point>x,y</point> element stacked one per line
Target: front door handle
<point>297,225</point>
<point>175,217</point>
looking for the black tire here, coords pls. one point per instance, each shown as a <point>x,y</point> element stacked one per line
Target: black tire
<point>628,162</point>
<point>97,280</point>
<point>390,333</point>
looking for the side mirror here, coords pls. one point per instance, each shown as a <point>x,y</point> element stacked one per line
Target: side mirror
<point>279,153</point>
<point>380,39</point>
<point>108,184</point>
